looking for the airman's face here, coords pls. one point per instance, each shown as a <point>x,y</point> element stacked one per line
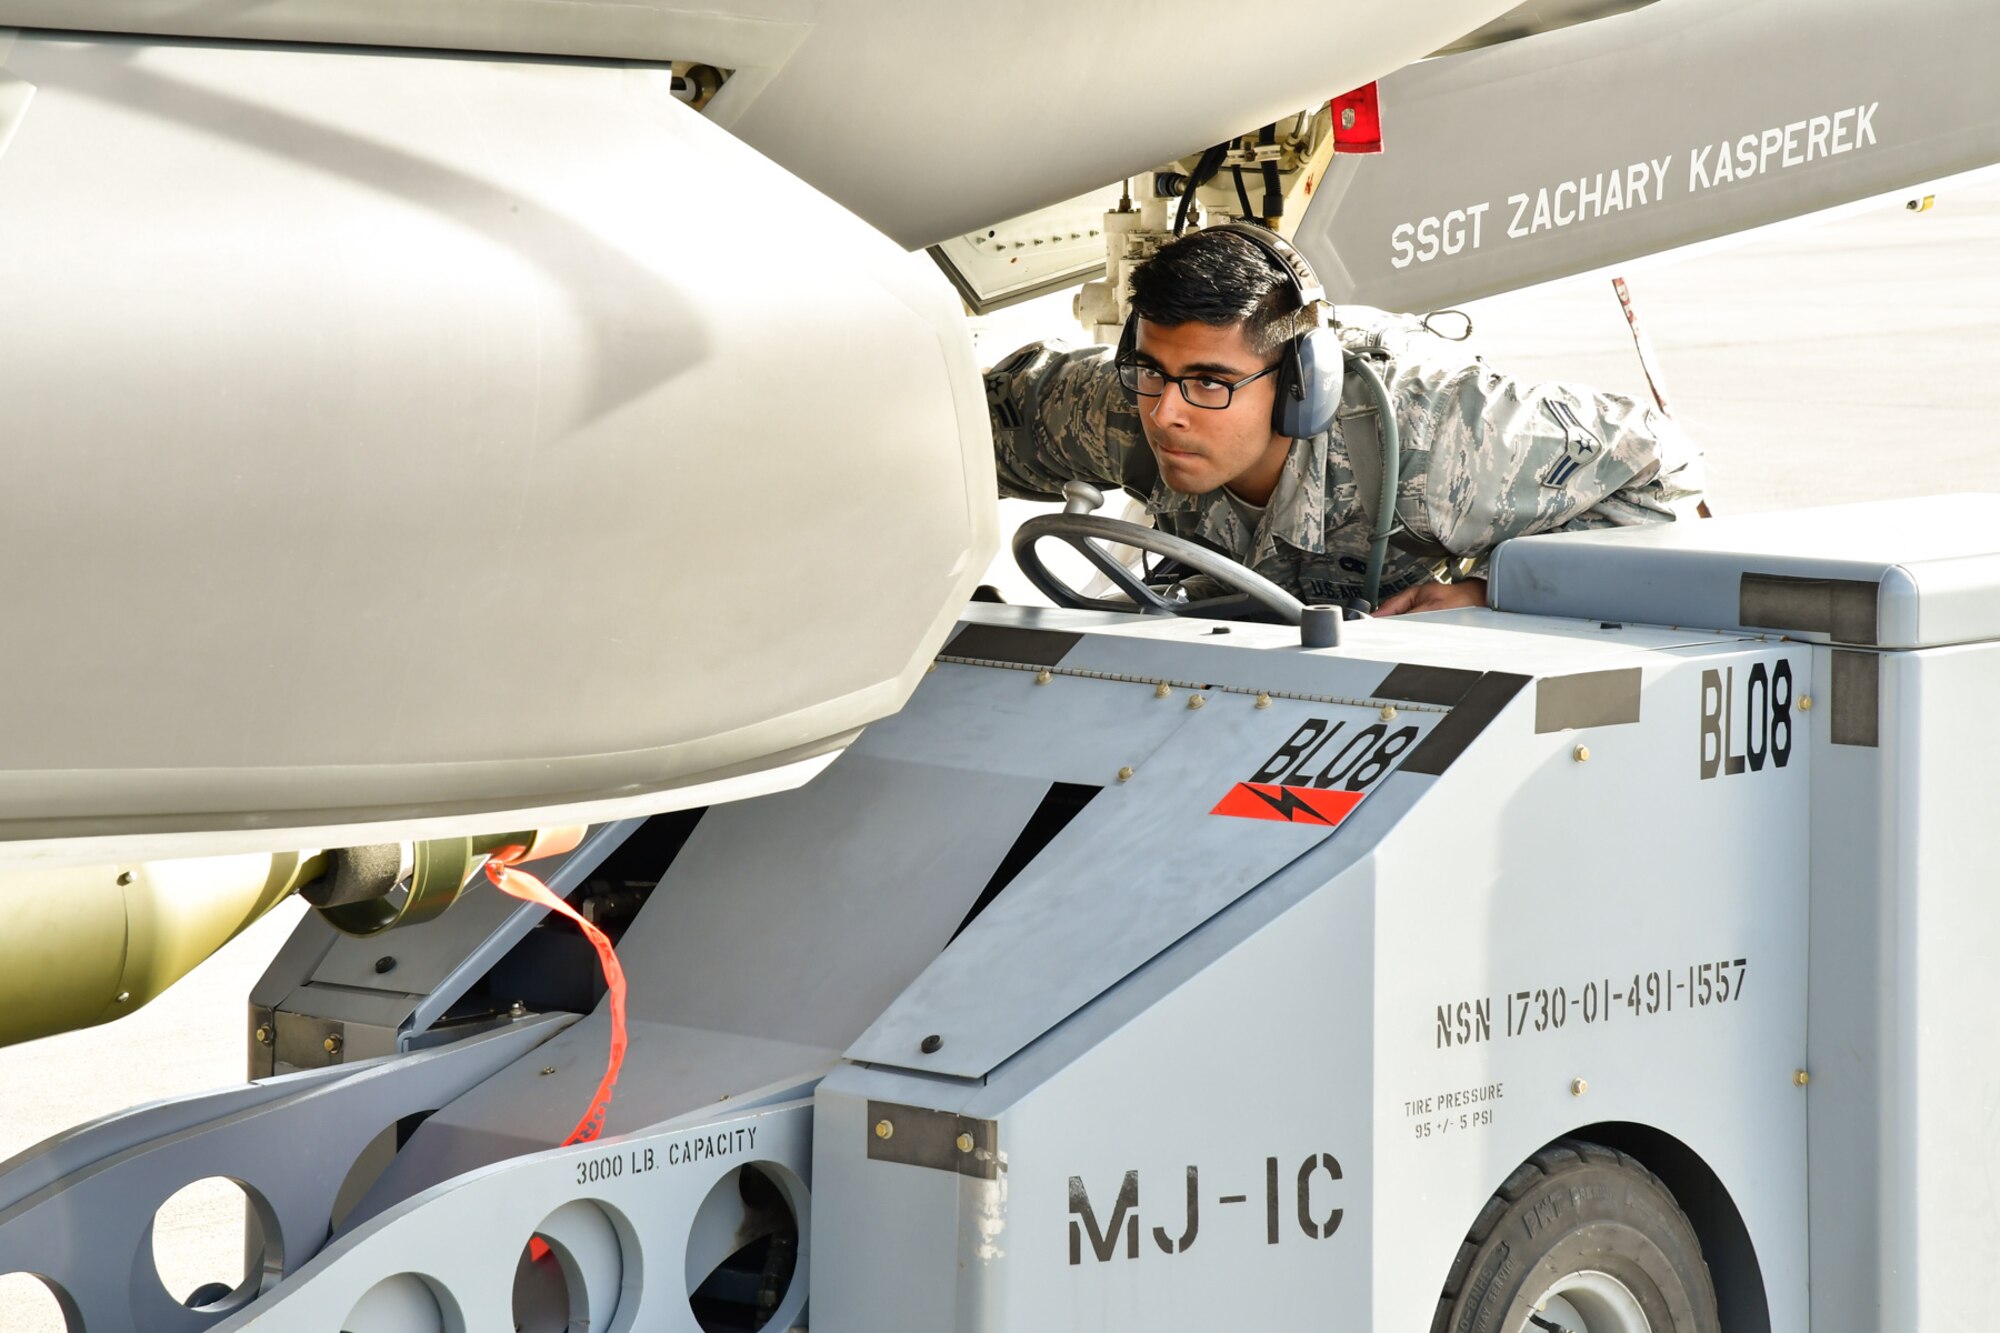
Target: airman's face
<point>1200,449</point>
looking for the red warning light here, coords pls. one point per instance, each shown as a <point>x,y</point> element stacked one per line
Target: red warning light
<point>1357,121</point>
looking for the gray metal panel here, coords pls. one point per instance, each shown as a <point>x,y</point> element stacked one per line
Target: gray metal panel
<point>1082,916</point>
<point>384,1010</point>
<point>1347,859</point>
<point>1940,932</point>
<point>1219,1090</point>
<point>989,719</point>
<point>627,1273</point>
<point>783,928</point>
<point>1935,561</point>
<point>1942,600</point>
<point>42,1166</point>
<point>889,1246</point>
<point>458,268</point>
<point>310,941</point>
<point>799,917</point>
<point>1319,993</point>
<point>1573,150</point>
<point>1527,871</point>
<point>1904,931</point>
<point>670,1072</point>
<point>291,1150</point>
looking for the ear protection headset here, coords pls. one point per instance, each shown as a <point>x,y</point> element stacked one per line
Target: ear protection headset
<point>1310,373</point>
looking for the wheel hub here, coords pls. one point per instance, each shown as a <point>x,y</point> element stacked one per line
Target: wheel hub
<point>1588,1302</point>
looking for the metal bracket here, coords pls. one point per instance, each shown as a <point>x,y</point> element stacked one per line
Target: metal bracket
<point>940,1140</point>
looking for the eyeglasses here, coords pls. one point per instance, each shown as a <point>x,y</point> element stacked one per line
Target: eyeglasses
<point>1200,390</point>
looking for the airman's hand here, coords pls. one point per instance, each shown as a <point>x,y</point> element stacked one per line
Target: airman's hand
<point>1435,597</point>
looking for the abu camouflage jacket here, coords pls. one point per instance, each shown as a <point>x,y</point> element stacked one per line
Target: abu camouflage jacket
<point>1484,458</point>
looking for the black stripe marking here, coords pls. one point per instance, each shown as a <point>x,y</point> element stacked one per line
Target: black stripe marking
<point>1426,684</point>
<point>1011,643</point>
<point>1481,704</point>
<point>1063,802</point>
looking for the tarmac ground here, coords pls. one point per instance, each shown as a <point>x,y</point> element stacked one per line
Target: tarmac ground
<point>1816,364</point>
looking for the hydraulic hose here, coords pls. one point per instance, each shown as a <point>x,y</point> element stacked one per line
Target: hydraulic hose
<point>1392,468</point>
<point>1274,198</point>
<point>1204,172</point>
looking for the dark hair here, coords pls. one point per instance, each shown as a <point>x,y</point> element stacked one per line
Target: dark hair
<point>1217,278</point>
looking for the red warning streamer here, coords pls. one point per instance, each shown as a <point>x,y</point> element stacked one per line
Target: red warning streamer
<point>500,868</point>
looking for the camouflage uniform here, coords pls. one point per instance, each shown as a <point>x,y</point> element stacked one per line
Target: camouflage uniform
<point>1484,458</point>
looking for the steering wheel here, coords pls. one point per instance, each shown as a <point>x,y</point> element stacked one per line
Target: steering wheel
<point>1083,529</point>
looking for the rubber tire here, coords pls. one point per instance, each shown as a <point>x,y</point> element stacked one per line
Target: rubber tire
<point>1576,1207</point>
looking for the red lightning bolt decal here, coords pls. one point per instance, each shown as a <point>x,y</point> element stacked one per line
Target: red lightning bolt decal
<point>1292,805</point>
